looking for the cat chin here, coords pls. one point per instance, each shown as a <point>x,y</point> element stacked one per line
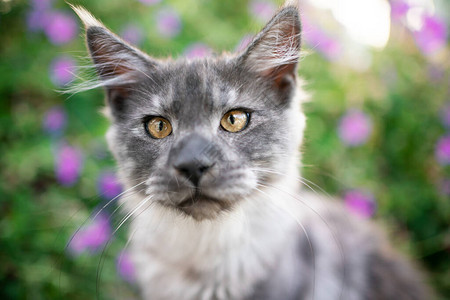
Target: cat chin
<point>202,207</point>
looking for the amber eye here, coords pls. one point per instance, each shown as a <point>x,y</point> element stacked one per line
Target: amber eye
<point>158,127</point>
<point>234,121</point>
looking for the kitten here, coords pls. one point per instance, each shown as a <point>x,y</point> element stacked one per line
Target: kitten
<point>208,150</point>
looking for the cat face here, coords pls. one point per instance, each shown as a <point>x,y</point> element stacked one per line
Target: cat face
<point>202,135</point>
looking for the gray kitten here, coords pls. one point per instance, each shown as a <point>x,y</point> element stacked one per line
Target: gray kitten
<point>208,150</point>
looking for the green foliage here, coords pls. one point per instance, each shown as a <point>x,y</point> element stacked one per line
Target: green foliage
<point>38,215</point>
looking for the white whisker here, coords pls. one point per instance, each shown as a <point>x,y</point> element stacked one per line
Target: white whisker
<point>132,213</point>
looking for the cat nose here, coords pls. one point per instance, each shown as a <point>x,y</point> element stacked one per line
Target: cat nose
<point>192,170</point>
<point>191,157</point>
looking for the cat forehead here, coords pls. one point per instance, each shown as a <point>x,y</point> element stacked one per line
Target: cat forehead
<point>197,86</point>
<point>212,77</point>
<point>206,85</point>
<point>210,68</point>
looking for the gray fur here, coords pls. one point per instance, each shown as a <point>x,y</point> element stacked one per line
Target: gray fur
<point>248,230</point>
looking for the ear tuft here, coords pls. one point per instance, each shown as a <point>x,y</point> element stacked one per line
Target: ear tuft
<point>275,51</point>
<point>118,64</point>
<point>86,17</point>
<point>292,3</point>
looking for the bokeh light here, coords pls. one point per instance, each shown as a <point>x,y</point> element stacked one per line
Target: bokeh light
<point>168,23</point>
<point>91,237</point>
<point>62,70</point>
<point>125,267</point>
<point>55,120</point>
<point>60,27</point>
<point>68,164</point>
<point>197,50</point>
<point>443,150</point>
<point>108,185</point>
<point>355,128</point>
<point>361,203</point>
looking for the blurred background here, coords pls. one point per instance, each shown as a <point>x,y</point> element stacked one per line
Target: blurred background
<point>378,128</point>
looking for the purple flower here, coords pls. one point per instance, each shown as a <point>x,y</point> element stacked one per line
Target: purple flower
<point>62,70</point>
<point>432,36</point>
<point>355,128</point>
<point>39,15</point>
<point>55,120</point>
<point>149,2</point>
<point>37,19</point>
<point>399,8</point>
<point>321,41</point>
<point>262,10</point>
<point>197,50</point>
<point>92,236</point>
<point>61,27</point>
<point>168,23</point>
<point>244,42</point>
<point>132,34</point>
<point>108,185</point>
<point>442,150</point>
<point>360,202</point>
<point>42,4</point>
<point>125,267</point>
<point>68,165</point>
<point>445,115</point>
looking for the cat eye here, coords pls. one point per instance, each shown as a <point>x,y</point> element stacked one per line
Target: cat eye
<point>158,127</point>
<point>235,120</point>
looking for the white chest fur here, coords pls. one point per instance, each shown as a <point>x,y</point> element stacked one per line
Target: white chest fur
<point>179,258</point>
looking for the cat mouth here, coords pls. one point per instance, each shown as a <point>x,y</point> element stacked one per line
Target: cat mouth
<point>203,207</point>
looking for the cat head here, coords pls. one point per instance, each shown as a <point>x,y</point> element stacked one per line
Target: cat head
<point>200,136</point>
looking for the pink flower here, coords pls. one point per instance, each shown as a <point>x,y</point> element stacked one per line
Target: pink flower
<point>108,185</point>
<point>132,34</point>
<point>262,10</point>
<point>55,120</point>
<point>197,50</point>
<point>92,236</point>
<point>319,40</point>
<point>355,128</point>
<point>432,37</point>
<point>149,2</point>
<point>168,23</point>
<point>62,70</point>
<point>60,27</point>
<point>442,150</point>
<point>399,8</point>
<point>125,267</point>
<point>68,165</point>
<point>360,203</point>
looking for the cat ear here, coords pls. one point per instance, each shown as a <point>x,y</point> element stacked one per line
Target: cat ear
<point>118,64</point>
<point>275,51</point>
